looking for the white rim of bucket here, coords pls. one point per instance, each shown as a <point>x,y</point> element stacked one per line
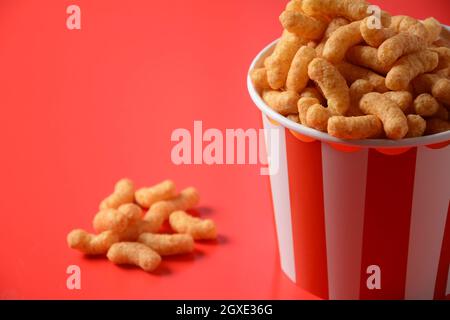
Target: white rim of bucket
<point>318,135</point>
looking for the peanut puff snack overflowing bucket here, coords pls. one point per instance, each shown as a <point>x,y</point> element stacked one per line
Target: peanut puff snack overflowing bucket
<point>357,219</point>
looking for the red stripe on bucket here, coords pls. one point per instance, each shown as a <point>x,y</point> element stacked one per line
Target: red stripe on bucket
<point>389,193</point>
<point>444,262</point>
<point>307,210</point>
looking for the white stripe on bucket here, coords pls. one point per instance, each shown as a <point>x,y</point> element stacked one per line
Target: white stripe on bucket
<point>279,183</point>
<point>344,189</point>
<point>428,217</point>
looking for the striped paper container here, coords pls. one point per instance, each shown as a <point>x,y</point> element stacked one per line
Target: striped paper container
<point>362,219</point>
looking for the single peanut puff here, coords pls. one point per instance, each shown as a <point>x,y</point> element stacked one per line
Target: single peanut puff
<point>399,45</point>
<point>298,74</point>
<point>441,91</point>
<point>434,29</point>
<point>334,24</point>
<point>426,105</point>
<point>341,40</point>
<point>91,244</point>
<point>168,244</point>
<point>409,25</point>
<point>165,190</point>
<point>350,9</point>
<point>355,128</point>
<point>302,25</point>
<point>282,102</point>
<point>416,125</point>
<point>160,211</point>
<point>134,253</point>
<point>198,228</point>
<point>317,117</point>
<point>393,119</point>
<point>409,67</point>
<point>332,84</point>
<point>123,193</point>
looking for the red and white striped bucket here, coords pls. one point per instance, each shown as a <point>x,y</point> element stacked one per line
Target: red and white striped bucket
<point>342,207</point>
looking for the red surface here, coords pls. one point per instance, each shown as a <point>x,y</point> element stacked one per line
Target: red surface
<point>81,109</point>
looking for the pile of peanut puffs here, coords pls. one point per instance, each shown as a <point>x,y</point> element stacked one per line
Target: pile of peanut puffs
<point>352,70</point>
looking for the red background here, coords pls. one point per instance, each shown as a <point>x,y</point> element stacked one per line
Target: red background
<point>81,109</point>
